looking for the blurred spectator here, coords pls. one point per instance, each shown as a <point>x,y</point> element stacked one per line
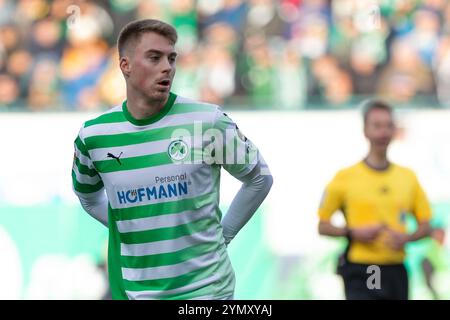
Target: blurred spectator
<point>283,54</point>
<point>85,58</point>
<point>290,85</point>
<point>442,71</point>
<point>232,13</point>
<point>46,39</point>
<point>9,38</point>
<point>259,77</point>
<point>29,11</point>
<point>221,35</point>
<point>339,88</point>
<point>217,73</point>
<point>405,77</point>
<point>331,83</point>
<point>312,35</point>
<point>19,65</point>
<point>43,91</point>
<point>187,82</point>
<point>365,61</point>
<point>82,65</point>
<point>184,19</point>
<point>150,9</point>
<point>400,14</point>
<point>9,90</point>
<point>425,34</point>
<point>7,9</point>
<point>263,16</point>
<point>446,19</point>
<point>111,84</point>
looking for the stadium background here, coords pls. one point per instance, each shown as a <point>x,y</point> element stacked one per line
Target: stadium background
<point>291,73</point>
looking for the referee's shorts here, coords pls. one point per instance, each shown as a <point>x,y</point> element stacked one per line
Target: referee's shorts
<point>393,282</point>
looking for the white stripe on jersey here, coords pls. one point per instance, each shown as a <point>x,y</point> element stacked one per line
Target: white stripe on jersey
<point>84,178</point>
<point>170,271</point>
<point>127,127</point>
<point>152,294</point>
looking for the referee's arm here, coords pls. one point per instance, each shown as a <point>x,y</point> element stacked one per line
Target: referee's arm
<point>332,201</point>
<point>422,212</point>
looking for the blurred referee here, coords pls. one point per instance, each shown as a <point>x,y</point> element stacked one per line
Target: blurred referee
<point>375,196</point>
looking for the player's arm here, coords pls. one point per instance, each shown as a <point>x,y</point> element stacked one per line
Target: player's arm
<point>96,205</point>
<point>87,184</point>
<point>252,193</point>
<point>422,213</point>
<point>332,201</point>
<point>247,165</point>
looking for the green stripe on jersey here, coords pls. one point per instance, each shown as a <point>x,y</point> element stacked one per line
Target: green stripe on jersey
<point>114,269</point>
<point>146,161</point>
<point>166,233</point>
<point>80,145</point>
<point>133,163</point>
<point>85,188</point>
<point>131,138</point>
<point>178,108</point>
<point>171,283</point>
<point>83,169</point>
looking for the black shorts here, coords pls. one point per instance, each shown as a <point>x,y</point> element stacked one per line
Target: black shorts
<point>393,282</point>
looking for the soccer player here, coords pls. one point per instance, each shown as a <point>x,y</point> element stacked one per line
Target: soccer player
<point>375,195</point>
<point>158,156</point>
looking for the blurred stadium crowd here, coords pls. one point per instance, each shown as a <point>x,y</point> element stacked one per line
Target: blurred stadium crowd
<point>286,54</point>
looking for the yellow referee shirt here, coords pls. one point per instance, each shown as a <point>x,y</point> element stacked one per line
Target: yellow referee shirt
<point>366,197</point>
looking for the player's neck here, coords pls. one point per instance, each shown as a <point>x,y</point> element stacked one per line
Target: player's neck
<point>140,107</point>
<point>377,159</point>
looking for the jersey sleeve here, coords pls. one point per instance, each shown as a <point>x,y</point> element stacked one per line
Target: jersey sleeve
<point>332,198</point>
<point>421,205</point>
<point>85,178</point>
<point>238,155</point>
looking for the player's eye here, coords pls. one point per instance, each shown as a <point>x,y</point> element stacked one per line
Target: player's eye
<point>154,58</point>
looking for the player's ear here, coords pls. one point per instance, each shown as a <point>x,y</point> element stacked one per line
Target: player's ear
<point>125,66</point>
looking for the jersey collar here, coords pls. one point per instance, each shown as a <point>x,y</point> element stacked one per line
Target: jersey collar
<point>385,169</point>
<point>152,119</point>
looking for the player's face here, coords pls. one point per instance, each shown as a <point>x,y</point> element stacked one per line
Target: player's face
<point>152,66</point>
<point>379,128</point>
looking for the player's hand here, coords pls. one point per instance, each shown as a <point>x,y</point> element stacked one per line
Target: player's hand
<point>396,240</point>
<point>366,234</point>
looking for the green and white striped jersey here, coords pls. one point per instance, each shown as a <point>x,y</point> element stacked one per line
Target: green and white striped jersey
<point>162,180</point>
